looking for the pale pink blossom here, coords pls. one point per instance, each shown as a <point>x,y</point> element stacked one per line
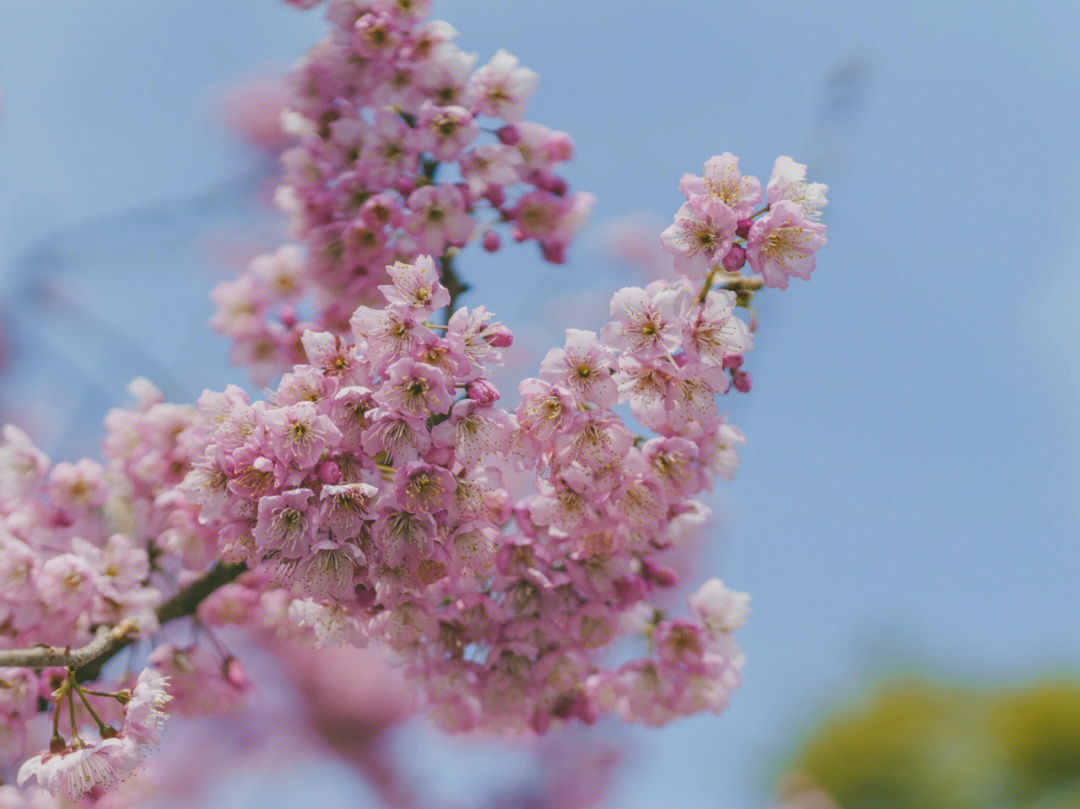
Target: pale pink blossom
<point>783,243</point>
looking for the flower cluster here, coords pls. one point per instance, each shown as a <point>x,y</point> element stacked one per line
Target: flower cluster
<point>378,482</point>
<point>72,768</point>
<point>89,545</point>
<point>66,565</point>
<point>514,558</point>
<point>717,227</point>
<point>406,147</point>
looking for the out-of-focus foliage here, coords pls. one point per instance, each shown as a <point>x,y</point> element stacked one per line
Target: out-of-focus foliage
<point>918,744</point>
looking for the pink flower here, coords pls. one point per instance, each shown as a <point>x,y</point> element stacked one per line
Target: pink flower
<point>647,325</point>
<point>501,88</point>
<point>719,609</point>
<point>788,182</point>
<point>344,509</point>
<point>299,434</point>
<point>584,366</point>
<point>414,389</point>
<point>384,335</point>
<point>420,486</point>
<point>724,181</point>
<point>783,243</point>
<point>712,332</point>
<point>702,234</point>
<point>73,772</point>
<point>475,432</point>
<point>401,534</point>
<point>445,132</point>
<point>286,523</point>
<point>144,715</point>
<point>438,219</point>
<point>416,286</point>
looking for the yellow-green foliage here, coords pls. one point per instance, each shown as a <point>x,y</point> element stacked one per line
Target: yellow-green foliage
<point>921,745</point>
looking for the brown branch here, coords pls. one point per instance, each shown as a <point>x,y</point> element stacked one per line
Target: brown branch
<point>454,285</point>
<point>88,660</point>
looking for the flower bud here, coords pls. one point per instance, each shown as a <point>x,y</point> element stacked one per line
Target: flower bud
<point>329,472</point>
<point>509,135</point>
<point>482,392</point>
<point>491,241</point>
<point>498,336</point>
<point>742,381</point>
<point>735,258</point>
<point>733,360</point>
<point>288,317</point>
<point>236,674</point>
<point>742,228</point>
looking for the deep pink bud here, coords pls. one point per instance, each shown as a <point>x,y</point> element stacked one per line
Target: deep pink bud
<point>555,253</point>
<point>499,336</point>
<point>491,241</point>
<point>661,575</point>
<point>548,181</point>
<point>482,392</point>
<point>742,228</point>
<point>742,381</point>
<point>733,360</point>
<point>329,472</point>
<point>735,258</point>
<point>405,185</point>
<point>509,135</point>
<point>495,195</point>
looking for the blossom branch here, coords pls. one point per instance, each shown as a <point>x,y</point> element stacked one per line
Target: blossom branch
<point>88,660</point>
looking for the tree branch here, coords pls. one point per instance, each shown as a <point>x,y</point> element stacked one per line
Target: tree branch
<point>454,285</point>
<point>88,660</point>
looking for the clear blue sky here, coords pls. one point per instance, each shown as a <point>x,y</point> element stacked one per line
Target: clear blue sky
<point>909,492</point>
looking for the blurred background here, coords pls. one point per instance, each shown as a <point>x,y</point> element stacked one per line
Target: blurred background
<point>906,514</point>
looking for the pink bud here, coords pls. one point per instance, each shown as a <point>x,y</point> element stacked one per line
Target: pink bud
<point>742,228</point>
<point>509,135</point>
<point>555,253</point>
<point>660,574</point>
<point>236,675</point>
<point>735,258</point>
<point>491,241</point>
<point>482,392</point>
<point>548,181</point>
<point>329,472</point>
<point>287,316</point>
<point>499,336</point>
<point>405,185</point>
<point>733,360</point>
<point>742,381</point>
<point>495,195</point>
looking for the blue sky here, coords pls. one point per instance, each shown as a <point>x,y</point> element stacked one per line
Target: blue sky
<point>908,495</point>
